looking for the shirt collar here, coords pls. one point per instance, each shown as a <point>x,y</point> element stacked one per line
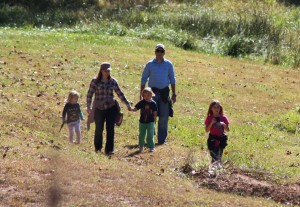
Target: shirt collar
<point>154,60</point>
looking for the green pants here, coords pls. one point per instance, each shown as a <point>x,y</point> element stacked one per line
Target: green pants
<point>149,128</point>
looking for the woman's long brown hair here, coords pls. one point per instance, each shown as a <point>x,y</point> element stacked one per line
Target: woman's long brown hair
<point>99,76</point>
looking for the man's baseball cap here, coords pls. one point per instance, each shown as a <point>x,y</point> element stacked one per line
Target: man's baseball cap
<point>105,66</point>
<point>160,46</point>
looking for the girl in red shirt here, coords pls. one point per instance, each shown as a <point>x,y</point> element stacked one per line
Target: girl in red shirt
<point>216,124</point>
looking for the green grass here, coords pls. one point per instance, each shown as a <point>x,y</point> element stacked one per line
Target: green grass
<point>38,68</point>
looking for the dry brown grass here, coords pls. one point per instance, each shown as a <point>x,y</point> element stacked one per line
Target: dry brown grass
<point>70,180</point>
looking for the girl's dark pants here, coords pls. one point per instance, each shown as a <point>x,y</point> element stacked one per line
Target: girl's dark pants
<point>107,116</point>
<point>216,145</point>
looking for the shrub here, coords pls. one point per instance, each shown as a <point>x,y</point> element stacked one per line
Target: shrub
<point>13,15</point>
<point>239,45</point>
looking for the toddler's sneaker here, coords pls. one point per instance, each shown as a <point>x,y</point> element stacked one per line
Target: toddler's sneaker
<point>152,149</point>
<point>141,148</point>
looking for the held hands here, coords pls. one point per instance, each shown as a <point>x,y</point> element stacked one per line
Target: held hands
<point>132,109</point>
<point>129,107</point>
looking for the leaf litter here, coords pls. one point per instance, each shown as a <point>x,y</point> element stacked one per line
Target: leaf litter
<point>245,183</point>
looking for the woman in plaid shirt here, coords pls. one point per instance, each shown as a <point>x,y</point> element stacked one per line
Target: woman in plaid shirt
<point>104,107</point>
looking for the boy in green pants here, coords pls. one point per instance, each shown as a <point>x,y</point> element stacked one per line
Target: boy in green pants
<point>147,119</point>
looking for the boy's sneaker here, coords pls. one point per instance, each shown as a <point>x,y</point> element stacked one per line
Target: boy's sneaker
<point>141,148</point>
<point>152,149</point>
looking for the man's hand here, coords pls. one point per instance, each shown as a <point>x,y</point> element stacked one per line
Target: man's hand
<point>174,98</point>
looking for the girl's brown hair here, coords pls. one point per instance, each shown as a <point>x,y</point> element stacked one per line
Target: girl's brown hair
<point>214,102</point>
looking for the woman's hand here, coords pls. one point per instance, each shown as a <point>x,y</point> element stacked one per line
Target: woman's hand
<point>88,110</point>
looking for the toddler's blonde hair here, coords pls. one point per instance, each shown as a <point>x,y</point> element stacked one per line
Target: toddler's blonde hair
<point>72,94</point>
<point>147,90</point>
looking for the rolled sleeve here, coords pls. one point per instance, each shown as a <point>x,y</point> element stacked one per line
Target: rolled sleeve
<point>172,76</point>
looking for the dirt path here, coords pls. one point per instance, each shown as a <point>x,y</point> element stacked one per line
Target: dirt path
<point>247,184</point>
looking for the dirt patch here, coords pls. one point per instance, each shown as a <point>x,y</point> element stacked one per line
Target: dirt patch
<point>247,184</point>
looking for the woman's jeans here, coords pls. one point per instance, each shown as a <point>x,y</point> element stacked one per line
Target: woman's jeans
<point>107,116</point>
<point>163,114</point>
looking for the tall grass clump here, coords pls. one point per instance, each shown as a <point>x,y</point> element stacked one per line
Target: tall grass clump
<point>257,30</point>
<point>289,122</point>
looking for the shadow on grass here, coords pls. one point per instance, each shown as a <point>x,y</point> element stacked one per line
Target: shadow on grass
<point>134,153</point>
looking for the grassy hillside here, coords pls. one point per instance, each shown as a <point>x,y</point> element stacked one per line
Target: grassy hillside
<point>39,166</point>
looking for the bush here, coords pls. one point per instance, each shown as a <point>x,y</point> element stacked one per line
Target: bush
<point>239,45</point>
<point>48,5</point>
<point>13,15</point>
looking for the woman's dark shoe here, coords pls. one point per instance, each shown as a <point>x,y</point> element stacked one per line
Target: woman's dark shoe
<point>110,153</point>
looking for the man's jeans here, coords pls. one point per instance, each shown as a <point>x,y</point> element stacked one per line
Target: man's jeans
<point>163,114</point>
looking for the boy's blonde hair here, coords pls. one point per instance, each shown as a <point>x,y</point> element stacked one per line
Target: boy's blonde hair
<point>72,94</point>
<point>147,90</point>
